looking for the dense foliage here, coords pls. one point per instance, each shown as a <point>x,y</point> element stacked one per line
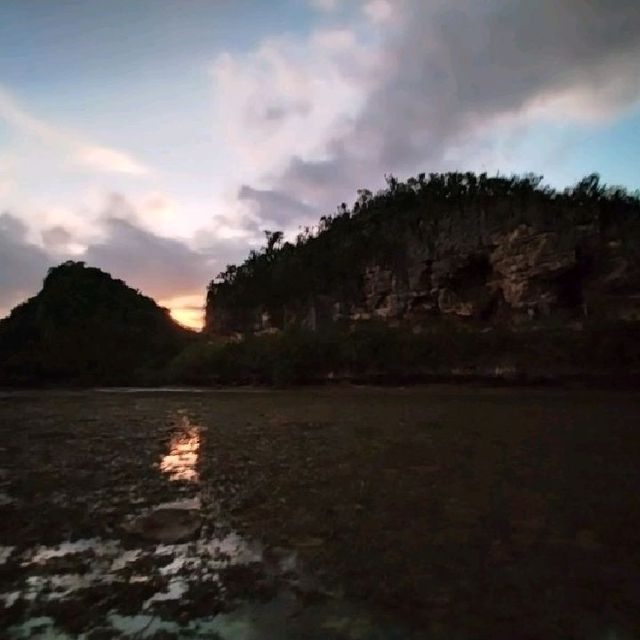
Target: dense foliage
<point>374,352</point>
<point>330,259</point>
<point>86,327</point>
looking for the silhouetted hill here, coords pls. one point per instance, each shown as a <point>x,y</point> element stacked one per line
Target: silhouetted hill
<point>86,327</point>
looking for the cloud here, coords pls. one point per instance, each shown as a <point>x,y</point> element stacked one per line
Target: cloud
<point>6,184</point>
<point>22,264</point>
<point>80,152</point>
<point>110,160</point>
<point>7,173</point>
<point>287,97</point>
<point>56,237</point>
<point>274,206</point>
<point>379,11</point>
<point>324,5</point>
<point>303,121</point>
<point>456,69</point>
<point>159,266</point>
<point>171,270</point>
<point>449,77</point>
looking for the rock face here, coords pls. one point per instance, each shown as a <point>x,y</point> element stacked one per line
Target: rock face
<point>519,273</point>
<point>479,270</point>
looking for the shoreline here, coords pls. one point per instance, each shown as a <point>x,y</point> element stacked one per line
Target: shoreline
<point>512,379</point>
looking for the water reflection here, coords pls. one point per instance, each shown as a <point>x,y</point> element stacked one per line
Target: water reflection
<point>66,571</point>
<point>180,463</point>
<point>212,582</point>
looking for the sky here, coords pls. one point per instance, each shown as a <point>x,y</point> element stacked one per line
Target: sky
<point>159,139</point>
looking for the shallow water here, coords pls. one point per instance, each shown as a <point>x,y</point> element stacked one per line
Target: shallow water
<point>319,514</point>
<point>50,576</point>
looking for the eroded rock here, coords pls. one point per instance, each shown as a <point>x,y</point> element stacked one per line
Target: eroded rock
<point>489,267</point>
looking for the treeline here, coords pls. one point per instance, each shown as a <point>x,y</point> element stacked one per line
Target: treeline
<point>375,352</point>
<point>330,258</point>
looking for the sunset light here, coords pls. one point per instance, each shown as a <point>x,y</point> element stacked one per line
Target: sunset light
<point>188,310</point>
<point>320,319</point>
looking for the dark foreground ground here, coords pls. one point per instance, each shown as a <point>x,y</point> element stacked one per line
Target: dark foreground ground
<point>362,513</point>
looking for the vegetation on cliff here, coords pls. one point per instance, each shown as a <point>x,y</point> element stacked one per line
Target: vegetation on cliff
<point>376,230</point>
<point>86,327</point>
<point>374,352</point>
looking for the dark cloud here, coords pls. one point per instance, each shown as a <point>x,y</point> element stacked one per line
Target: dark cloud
<point>23,265</point>
<point>273,205</point>
<point>457,67</point>
<point>158,266</point>
<point>452,70</point>
<point>280,112</point>
<point>56,237</point>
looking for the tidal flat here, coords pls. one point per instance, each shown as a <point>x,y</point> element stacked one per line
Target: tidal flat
<point>344,513</point>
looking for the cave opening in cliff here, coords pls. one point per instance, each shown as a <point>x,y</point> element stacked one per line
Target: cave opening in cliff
<point>475,272</point>
<point>571,283</point>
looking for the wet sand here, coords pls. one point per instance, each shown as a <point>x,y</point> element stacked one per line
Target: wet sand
<point>430,512</point>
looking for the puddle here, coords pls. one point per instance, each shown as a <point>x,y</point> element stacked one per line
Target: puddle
<point>181,460</point>
<point>218,584</point>
<point>5,499</point>
<point>161,575</point>
<point>204,557</point>
<point>189,504</point>
<point>119,563</point>
<point>61,571</point>
<point>179,568</point>
<point>5,553</point>
<point>283,618</point>
<point>43,554</point>
<point>176,589</point>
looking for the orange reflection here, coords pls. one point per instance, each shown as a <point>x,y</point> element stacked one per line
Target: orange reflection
<point>180,462</point>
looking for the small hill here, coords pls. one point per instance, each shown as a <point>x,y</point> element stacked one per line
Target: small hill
<point>85,327</point>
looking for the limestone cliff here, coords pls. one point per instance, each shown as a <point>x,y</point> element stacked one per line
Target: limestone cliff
<point>513,275</point>
<point>481,258</point>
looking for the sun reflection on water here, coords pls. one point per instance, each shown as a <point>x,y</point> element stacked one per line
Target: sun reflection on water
<point>180,463</point>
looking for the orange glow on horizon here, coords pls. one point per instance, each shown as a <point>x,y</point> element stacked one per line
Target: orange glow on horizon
<point>186,310</point>
<point>189,318</point>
